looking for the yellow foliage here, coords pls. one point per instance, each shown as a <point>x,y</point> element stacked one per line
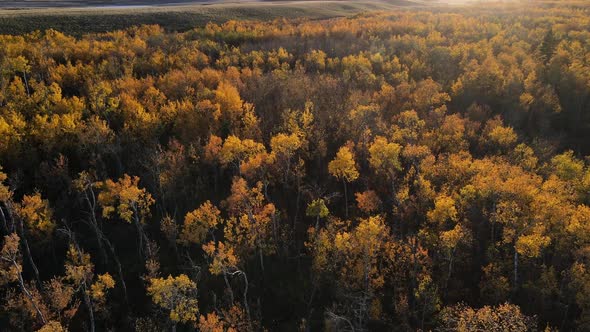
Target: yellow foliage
<point>125,199</point>
<point>52,326</point>
<point>37,215</point>
<point>223,257</point>
<point>10,264</point>
<point>100,286</point>
<point>384,156</point>
<point>5,193</point>
<point>199,222</point>
<point>79,267</point>
<point>444,210</point>
<point>235,150</point>
<point>177,295</point>
<point>343,166</point>
<point>285,145</point>
<point>502,136</point>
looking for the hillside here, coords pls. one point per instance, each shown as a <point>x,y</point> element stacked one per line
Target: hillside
<point>177,17</point>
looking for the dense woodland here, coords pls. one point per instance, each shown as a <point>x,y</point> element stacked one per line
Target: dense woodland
<point>411,170</point>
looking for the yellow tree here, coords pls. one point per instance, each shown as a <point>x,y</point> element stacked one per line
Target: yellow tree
<point>504,317</point>
<point>5,202</point>
<point>198,223</point>
<point>224,261</point>
<point>235,151</point>
<point>444,219</point>
<point>176,295</point>
<point>11,271</point>
<point>284,147</point>
<point>127,202</point>
<point>233,319</point>
<point>318,209</point>
<point>230,103</point>
<point>85,186</point>
<point>52,326</point>
<point>251,224</point>
<point>384,159</point>
<point>35,218</point>
<point>80,274</point>
<point>344,168</point>
<point>511,193</point>
<point>360,256</point>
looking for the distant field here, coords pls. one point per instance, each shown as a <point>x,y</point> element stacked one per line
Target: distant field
<point>23,4</point>
<point>100,16</point>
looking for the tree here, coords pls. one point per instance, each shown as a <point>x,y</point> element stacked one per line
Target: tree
<point>360,256</point>
<point>80,272</point>
<point>52,326</point>
<point>318,209</point>
<point>284,147</point>
<point>548,46</point>
<point>198,223</point>
<point>450,232</point>
<point>34,213</point>
<point>86,186</point>
<point>233,319</point>
<point>368,201</point>
<point>344,168</point>
<point>12,272</point>
<point>5,201</point>
<point>235,151</point>
<point>251,225</point>
<point>567,166</point>
<point>384,159</point>
<point>225,262</point>
<point>500,318</point>
<point>125,200</point>
<point>176,295</point>
<point>528,238</point>
<point>230,103</point>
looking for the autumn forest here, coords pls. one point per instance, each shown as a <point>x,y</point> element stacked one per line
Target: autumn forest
<point>421,169</point>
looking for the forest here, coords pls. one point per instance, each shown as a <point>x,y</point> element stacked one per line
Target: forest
<point>413,170</point>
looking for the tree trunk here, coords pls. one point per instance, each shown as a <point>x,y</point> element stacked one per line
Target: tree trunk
<point>103,252</point>
<point>28,253</point>
<point>85,289</point>
<point>144,247</point>
<point>452,255</point>
<point>345,199</point>
<point>4,223</point>
<point>246,306</point>
<point>27,83</point>
<point>231,292</point>
<point>28,294</point>
<point>261,258</point>
<point>89,306</point>
<point>515,269</point>
<point>119,268</point>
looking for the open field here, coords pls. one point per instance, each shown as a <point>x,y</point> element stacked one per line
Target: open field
<point>27,4</point>
<point>177,17</point>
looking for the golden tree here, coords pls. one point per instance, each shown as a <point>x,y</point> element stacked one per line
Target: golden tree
<point>176,295</point>
<point>198,223</point>
<point>129,203</point>
<point>344,168</point>
<point>251,224</point>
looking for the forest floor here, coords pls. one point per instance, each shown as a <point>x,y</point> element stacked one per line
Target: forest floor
<point>78,17</point>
